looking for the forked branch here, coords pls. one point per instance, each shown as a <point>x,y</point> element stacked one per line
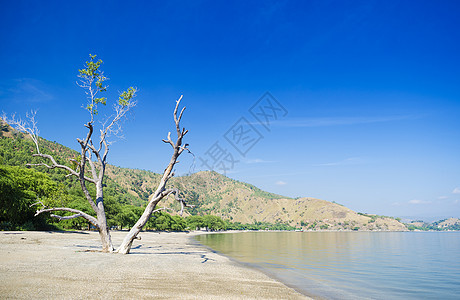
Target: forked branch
<point>182,201</point>
<point>180,133</point>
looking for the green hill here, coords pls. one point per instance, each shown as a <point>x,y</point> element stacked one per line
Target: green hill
<point>210,192</point>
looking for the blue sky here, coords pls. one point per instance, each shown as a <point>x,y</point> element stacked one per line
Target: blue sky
<point>367,108</point>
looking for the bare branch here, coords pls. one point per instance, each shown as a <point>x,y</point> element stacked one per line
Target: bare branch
<point>175,192</point>
<point>38,202</point>
<point>89,218</point>
<point>181,112</point>
<point>90,160</point>
<point>81,175</point>
<point>56,165</point>
<point>169,141</point>
<point>106,151</point>
<point>183,148</point>
<point>177,119</point>
<point>160,209</point>
<point>114,126</point>
<point>28,127</point>
<point>172,174</point>
<point>182,201</point>
<point>65,217</point>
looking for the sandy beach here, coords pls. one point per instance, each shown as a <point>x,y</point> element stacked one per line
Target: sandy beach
<point>68,265</point>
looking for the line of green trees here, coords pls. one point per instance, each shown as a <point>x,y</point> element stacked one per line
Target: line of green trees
<point>434,227</point>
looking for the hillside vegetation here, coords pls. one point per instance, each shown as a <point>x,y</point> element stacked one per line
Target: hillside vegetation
<point>211,193</point>
<point>442,225</point>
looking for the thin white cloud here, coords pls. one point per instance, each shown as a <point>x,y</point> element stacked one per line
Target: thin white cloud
<point>280,182</point>
<point>27,89</point>
<point>348,161</point>
<point>416,201</point>
<point>442,197</point>
<point>227,172</point>
<point>338,121</point>
<point>256,161</point>
<point>456,190</point>
<point>282,174</point>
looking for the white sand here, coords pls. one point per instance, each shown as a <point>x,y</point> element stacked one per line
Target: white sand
<point>39,265</point>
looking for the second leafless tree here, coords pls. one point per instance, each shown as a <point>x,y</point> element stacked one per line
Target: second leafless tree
<point>161,190</point>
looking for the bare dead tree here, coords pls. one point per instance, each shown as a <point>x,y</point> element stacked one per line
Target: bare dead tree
<point>161,190</point>
<point>95,154</point>
<point>92,80</point>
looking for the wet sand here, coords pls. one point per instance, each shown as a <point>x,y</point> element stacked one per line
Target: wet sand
<point>68,265</point>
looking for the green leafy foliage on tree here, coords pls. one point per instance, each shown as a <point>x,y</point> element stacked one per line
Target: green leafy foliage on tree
<point>195,222</point>
<point>163,221</point>
<point>126,216</point>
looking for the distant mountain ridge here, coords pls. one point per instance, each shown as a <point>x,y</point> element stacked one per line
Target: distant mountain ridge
<point>216,194</point>
<point>444,225</point>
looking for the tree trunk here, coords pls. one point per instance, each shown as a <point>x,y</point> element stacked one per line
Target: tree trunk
<point>104,232</point>
<point>127,243</point>
<point>106,240</point>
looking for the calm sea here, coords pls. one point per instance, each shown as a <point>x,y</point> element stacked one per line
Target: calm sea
<point>352,265</point>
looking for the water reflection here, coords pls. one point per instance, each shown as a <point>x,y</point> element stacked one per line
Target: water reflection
<point>353,265</point>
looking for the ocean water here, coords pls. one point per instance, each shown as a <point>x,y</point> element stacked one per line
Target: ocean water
<point>352,265</point>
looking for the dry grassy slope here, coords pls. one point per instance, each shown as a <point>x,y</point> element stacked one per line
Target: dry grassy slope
<point>449,222</point>
<point>139,183</point>
<point>216,194</point>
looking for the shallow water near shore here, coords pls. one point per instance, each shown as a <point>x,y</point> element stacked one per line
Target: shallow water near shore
<point>352,265</point>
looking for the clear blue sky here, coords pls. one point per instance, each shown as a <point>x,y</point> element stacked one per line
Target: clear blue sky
<point>371,90</point>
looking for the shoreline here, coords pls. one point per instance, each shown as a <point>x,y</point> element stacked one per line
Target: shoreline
<point>162,265</point>
<point>252,266</point>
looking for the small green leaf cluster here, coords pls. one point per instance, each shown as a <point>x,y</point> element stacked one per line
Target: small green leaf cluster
<point>92,71</point>
<point>126,97</point>
<point>92,74</point>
